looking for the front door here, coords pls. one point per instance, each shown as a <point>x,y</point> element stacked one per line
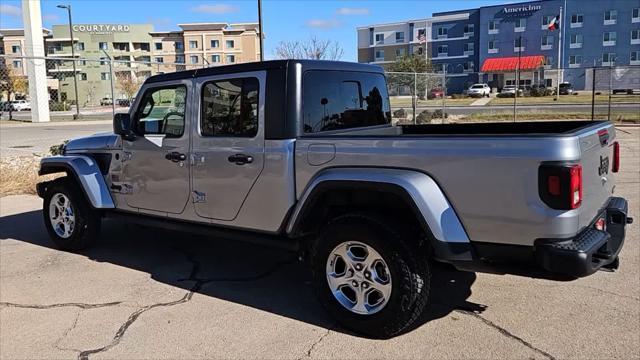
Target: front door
<point>228,143</point>
<point>156,165</point>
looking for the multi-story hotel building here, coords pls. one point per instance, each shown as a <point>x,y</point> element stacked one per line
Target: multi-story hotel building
<point>479,45</point>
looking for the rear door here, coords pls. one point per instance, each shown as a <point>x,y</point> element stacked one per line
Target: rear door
<point>228,142</point>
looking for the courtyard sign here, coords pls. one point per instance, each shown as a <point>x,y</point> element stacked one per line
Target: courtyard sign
<point>101,29</point>
<point>521,9</point>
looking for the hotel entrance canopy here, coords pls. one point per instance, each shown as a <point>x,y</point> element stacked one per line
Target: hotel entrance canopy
<point>509,64</point>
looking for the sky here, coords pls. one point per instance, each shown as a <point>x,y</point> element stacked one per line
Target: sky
<point>283,20</point>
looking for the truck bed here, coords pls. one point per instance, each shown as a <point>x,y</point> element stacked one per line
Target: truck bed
<point>543,128</point>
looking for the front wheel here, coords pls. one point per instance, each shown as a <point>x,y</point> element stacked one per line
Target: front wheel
<point>70,221</point>
<point>368,276</point>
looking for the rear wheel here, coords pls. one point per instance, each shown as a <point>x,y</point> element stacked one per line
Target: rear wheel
<point>368,276</point>
<point>71,222</point>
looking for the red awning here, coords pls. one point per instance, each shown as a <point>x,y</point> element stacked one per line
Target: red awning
<point>509,64</point>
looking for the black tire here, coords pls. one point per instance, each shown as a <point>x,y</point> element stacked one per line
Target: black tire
<point>409,272</point>
<point>87,221</point>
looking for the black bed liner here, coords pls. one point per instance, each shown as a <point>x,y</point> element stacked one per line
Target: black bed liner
<point>501,128</point>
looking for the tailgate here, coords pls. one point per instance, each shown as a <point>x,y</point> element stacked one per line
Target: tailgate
<point>597,157</point>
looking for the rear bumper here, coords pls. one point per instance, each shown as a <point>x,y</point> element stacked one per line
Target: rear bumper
<point>591,249</point>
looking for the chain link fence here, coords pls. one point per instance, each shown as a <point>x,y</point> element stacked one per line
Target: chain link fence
<point>611,93</point>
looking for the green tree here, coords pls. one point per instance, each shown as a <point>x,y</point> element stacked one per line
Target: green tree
<point>402,75</point>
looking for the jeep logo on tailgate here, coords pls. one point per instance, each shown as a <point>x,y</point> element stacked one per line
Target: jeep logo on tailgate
<point>604,165</point>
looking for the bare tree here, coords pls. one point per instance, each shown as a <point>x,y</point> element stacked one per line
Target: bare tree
<point>313,48</point>
<point>128,84</point>
<point>12,82</point>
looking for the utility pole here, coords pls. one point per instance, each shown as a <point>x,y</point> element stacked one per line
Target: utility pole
<point>515,95</point>
<point>444,91</point>
<point>113,100</point>
<point>260,30</point>
<point>73,57</point>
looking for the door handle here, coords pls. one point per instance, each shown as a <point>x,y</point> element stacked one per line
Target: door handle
<point>175,156</point>
<point>240,159</point>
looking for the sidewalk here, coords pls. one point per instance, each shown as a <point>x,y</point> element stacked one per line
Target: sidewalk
<point>8,124</point>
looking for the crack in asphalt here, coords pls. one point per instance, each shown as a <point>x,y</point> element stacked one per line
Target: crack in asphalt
<point>199,282</point>
<point>52,306</point>
<point>506,333</point>
<point>64,335</point>
<point>316,343</point>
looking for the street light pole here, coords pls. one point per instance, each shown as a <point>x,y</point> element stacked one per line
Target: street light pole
<point>113,100</point>
<point>260,30</point>
<point>73,57</point>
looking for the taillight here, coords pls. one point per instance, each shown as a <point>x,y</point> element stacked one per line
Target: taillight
<point>560,185</point>
<point>616,157</point>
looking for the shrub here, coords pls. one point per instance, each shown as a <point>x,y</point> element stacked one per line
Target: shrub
<point>400,113</point>
<point>58,149</point>
<point>438,114</point>
<point>424,117</point>
<point>459,96</point>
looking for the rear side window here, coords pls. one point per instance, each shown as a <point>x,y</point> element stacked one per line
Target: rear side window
<point>335,100</point>
<point>230,108</point>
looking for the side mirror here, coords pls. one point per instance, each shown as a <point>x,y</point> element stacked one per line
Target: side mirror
<point>122,126</point>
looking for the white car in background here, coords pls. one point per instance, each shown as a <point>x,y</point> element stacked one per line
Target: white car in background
<point>479,90</point>
<point>18,105</point>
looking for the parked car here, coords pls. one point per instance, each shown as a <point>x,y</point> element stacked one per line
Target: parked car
<point>479,90</point>
<point>18,105</point>
<point>566,88</point>
<point>106,101</point>
<point>316,171</point>
<point>436,93</point>
<point>510,91</point>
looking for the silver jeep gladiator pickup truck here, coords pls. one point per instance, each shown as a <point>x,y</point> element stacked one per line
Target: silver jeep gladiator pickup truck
<point>303,155</point>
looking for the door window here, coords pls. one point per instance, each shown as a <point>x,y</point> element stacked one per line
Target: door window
<point>162,111</point>
<point>230,108</point>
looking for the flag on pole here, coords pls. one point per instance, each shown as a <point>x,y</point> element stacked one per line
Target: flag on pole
<point>555,23</point>
<point>422,38</point>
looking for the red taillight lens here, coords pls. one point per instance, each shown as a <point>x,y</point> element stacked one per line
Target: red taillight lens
<point>616,157</point>
<point>560,185</point>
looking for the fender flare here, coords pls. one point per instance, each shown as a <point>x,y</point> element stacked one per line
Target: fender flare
<point>424,193</point>
<point>86,172</point>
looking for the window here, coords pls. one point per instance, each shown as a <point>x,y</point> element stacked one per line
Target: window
<point>399,53</point>
<point>230,108</point>
<point>193,59</point>
<point>468,66</point>
<point>215,58</point>
<point>145,47</point>
<point>521,24</point>
<point>547,42</point>
<point>577,20</point>
<point>193,44</point>
<point>379,55</point>
<point>158,46</point>
<point>335,100</point>
<point>180,59</point>
<point>575,60</point>
<point>492,47</point>
<point>159,59</point>
<point>230,44</point>
<point>15,49</point>
<point>179,45</point>
<point>517,44</point>
<point>608,59</point>
<point>122,46</point>
<point>17,64</point>
<point>231,59</point>
<point>493,26</point>
<point>546,20</point>
<point>442,32</point>
<point>610,17</point>
<point>82,76</point>
<point>421,33</point>
<point>161,112</point>
<point>575,41</point>
<point>468,48</point>
<point>103,61</point>
<point>80,46</point>
<point>469,29</point>
<point>379,38</point>
<point>82,62</point>
<point>635,15</point>
<point>609,38</point>
<point>443,50</point>
<point>399,37</point>
<point>215,43</point>
<point>103,46</point>
<point>634,58</point>
<point>105,76</point>
<point>635,36</point>
<point>548,61</point>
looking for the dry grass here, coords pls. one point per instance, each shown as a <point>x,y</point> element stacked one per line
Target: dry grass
<point>19,175</point>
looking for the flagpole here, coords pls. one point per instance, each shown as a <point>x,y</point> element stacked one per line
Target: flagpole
<point>559,54</point>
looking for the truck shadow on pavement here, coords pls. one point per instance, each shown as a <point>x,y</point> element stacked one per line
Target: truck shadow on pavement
<point>268,279</point>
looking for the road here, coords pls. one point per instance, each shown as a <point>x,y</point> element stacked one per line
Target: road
<point>150,294</point>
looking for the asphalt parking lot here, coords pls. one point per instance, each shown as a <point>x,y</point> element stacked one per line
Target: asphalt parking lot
<point>143,293</point>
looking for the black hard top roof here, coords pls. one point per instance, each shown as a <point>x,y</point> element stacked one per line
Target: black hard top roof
<point>265,65</point>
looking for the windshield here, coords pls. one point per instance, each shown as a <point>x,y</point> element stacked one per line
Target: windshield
<point>477,87</point>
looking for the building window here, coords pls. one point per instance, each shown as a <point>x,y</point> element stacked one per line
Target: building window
<point>193,59</point>
<point>80,46</point>
<point>105,76</point>
<point>379,38</point>
<point>379,55</point>
<point>215,58</point>
<point>215,43</point>
<point>442,32</point>
<point>520,25</point>
<point>575,60</point>
<point>547,42</point>
<point>468,48</point>
<point>422,33</point>
<point>82,62</point>
<point>179,59</point>
<point>610,17</point>
<point>609,38</point>
<point>230,44</point>
<point>158,46</point>
<point>193,44</point>
<point>608,59</point>
<point>492,47</point>
<point>443,50</point>
<point>103,46</point>
<point>179,45</point>
<point>577,20</point>
<point>399,36</point>
<point>635,15</point>
<point>575,41</point>
<point>494,26</point>
<point>469,29</point>
<point>548,61</point>
<point>159,59</point>
<point>517,45</point>
<point>121,46</point>
<point>634,58</point>
<point>103,61</point>
<point>145,47</point>
<point>468,66</point>
<point>231,59</point>
<point>82,76</point>
<point>546,20</point>
<point>399,53</point>
<point>16,49</point>
<point>17,64</point>
<point>635,36</point>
